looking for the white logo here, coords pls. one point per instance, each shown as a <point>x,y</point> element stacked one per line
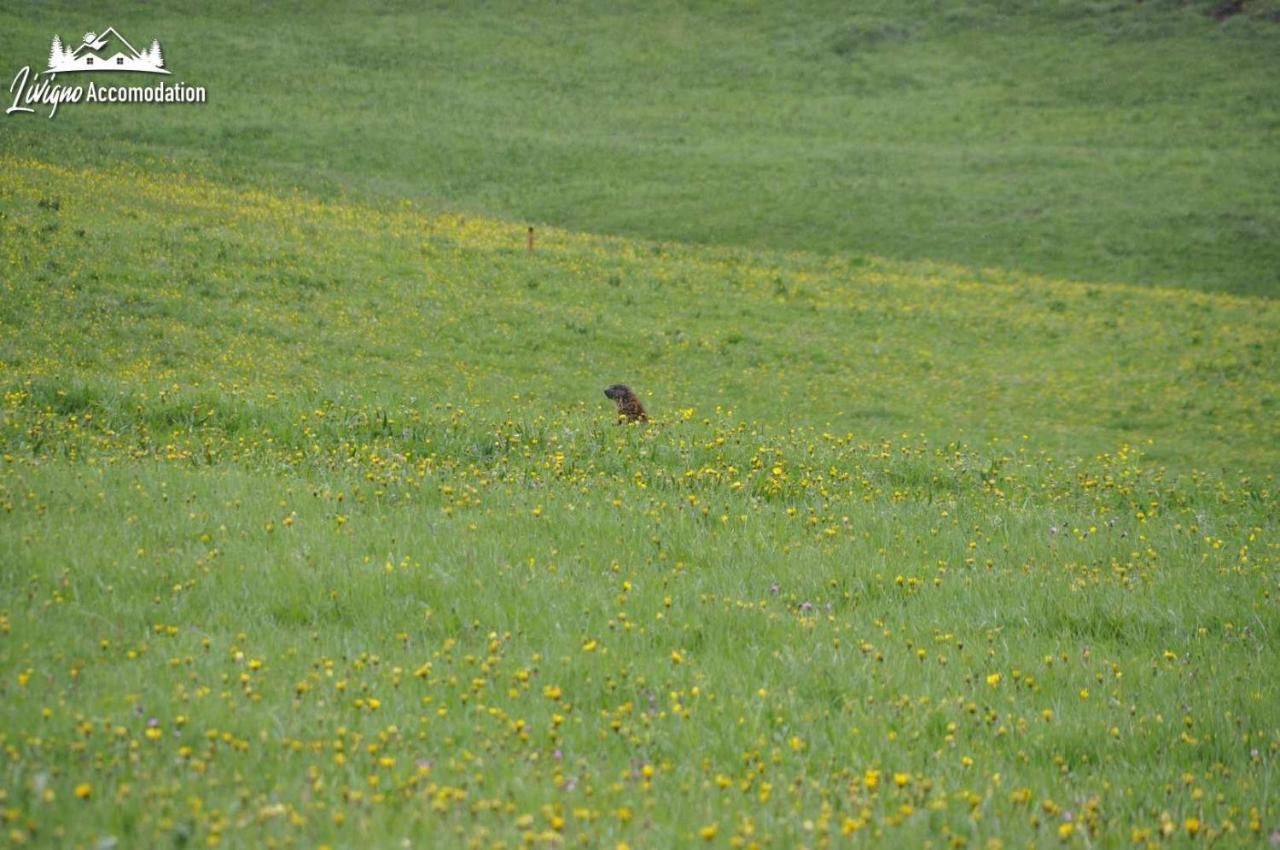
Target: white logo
<point>106,52</point>
<point>98,53</point>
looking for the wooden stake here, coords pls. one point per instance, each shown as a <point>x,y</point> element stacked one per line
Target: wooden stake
<point>530,243</point>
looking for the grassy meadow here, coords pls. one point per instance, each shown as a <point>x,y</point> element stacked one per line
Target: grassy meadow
<point>316,529</point>
<point>1100,140</point>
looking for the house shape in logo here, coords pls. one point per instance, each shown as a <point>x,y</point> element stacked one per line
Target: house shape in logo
<point>105,51</point>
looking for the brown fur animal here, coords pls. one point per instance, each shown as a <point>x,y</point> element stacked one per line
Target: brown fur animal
<point>629,407</point>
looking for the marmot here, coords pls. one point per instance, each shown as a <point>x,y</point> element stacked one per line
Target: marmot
<point>629,407</point>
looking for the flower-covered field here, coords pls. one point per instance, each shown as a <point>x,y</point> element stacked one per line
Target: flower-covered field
<point>316,529</point>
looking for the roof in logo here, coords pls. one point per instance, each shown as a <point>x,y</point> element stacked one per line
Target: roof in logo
<point>108,43</point>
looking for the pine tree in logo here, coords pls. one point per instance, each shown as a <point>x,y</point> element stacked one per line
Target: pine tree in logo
<point>56,53</point>
<point>154,55</point>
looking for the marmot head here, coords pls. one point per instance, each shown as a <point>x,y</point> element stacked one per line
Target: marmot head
<point>618,392</point>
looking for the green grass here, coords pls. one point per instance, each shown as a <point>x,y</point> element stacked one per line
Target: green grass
<point>956,523</point>
<point>317,530</point>
<point>1102,141</point>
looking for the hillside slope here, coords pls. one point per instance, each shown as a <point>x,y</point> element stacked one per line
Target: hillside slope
<point>315,530</point>
<point>121,281</point>
<point>1104,141</point>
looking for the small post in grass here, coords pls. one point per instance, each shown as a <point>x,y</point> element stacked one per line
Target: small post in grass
<point>530,242</point>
